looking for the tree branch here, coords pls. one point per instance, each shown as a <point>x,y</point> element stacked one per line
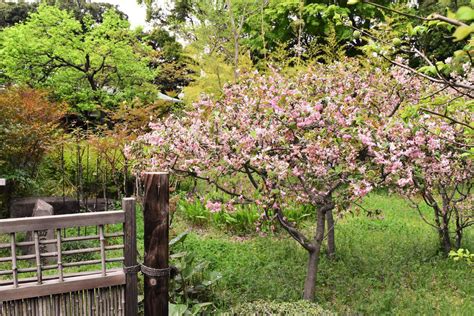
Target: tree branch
<point>434,17</point>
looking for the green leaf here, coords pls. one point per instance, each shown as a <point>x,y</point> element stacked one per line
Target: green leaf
<point>459,53</point>
<point>177,309</point>
<point>462,32</point>
<point>352,2</point>
<point>178,239</point>
<point>215,276</point>
<point>199,307</point>
<point>465,13</point>
<point>450,14</point>
<point>178,255</point>
<point>417,30</point>
<point>429,70</point>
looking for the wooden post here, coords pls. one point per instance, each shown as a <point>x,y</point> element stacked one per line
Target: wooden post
<point>130,254</point>
<point>156,218</point>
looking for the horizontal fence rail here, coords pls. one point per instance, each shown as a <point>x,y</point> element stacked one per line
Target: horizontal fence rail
<point>14,225</point>
<point>52,249</point>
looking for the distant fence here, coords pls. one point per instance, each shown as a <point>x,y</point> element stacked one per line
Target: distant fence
<point>48,289</point>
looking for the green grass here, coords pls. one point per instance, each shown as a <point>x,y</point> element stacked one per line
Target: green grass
<point>385,265</point>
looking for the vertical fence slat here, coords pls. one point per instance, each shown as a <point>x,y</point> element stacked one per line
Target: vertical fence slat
<point>102,249</point>
<point>60,259</point>
<point>156,218</point>
<point>130,256</point>
<point>14,266</point>
<point>122,300</point>
<point>39,273</point>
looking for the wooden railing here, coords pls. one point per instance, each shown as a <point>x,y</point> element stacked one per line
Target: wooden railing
<point>106,251</point>
<point>50,289</point>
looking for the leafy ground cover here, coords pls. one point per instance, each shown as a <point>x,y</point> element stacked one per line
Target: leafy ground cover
<point>387,264</point>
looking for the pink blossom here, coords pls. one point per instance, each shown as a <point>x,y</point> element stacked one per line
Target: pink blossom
<point>214,207</point>
<point>403,182</point>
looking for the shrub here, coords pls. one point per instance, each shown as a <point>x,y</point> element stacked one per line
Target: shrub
<point>280,308</point>
<point>29,126</point>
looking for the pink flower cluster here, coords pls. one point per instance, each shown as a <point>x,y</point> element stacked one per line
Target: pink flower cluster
<point>214,207</point>
<point>324,132</point>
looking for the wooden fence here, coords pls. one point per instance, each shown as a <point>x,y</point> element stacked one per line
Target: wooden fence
<point>39,283</point>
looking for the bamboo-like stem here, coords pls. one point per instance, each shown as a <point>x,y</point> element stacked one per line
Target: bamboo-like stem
<point>13,253</point>
<point>60,261</point>
<point>102,249</point>
<point>38,258</point>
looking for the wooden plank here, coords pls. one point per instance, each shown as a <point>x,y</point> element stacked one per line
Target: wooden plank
<point>53,287</point>
<point>59,257</point>
<point>54,277</point>
<point>156,218</point>
<point>39,274</point>
<point>102,249</point>
<point>14,265</point>
<point>90,262</point>
<point>130,254</point>
<point>14,225</point>
<point>92,237</point>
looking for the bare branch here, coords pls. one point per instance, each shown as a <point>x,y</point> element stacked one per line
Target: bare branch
<point>446,117</point>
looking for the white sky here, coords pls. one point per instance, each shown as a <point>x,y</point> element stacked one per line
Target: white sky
<point>136,13</point>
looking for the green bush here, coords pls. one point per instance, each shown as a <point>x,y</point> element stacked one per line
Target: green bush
<point>194,211</point>
<point>244,219</point>
<point>280,308</point>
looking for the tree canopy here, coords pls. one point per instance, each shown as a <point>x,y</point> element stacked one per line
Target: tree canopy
<point>88,64</point>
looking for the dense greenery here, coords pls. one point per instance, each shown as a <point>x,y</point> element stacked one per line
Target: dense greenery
<point>29,127</point>
<point>89,65</point>
<point>345,123</point>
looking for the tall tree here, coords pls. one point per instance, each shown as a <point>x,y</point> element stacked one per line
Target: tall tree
<point>168,58</point>
<point>88,64</point>
<point>12,13</point>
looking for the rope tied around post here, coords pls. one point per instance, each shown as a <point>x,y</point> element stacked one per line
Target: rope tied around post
<point>151,272</point>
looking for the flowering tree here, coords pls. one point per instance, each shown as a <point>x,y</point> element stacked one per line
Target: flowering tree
<point>273,139</point>
<point>428,156</point>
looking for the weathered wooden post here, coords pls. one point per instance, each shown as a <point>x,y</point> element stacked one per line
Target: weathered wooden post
<point>156,218</point>
<point>130,254</point>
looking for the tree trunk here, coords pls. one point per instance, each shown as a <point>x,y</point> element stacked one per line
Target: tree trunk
<point>459,229</point>
<point>442,223</point>
<point>310,282</point>
<point>458,238</point>
<point>331,239</point>
<point>445,240</point>
<point>313,260</point>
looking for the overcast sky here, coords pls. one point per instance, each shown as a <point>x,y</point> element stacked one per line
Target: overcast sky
<point>136,13</point>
